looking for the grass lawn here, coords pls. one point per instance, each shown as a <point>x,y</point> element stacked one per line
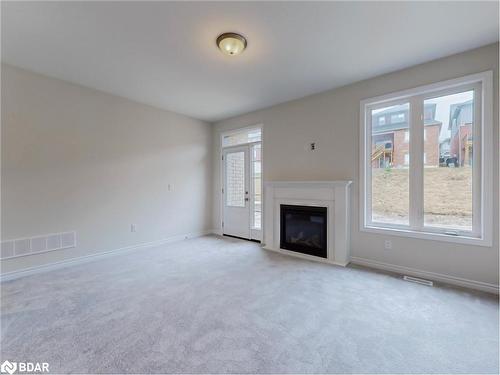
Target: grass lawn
<point>447,196</point>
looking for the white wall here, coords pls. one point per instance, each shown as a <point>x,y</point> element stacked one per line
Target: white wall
<point>78,159</point>
<point>331,119</point>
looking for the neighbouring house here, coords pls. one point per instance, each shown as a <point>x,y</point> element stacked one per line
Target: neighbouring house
<point>460,127</point>
<point>391,136</point>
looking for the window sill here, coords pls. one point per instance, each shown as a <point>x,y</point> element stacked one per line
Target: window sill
<point>427,236</point>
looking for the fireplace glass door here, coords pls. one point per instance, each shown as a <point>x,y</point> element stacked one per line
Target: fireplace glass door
<point>304,229</point>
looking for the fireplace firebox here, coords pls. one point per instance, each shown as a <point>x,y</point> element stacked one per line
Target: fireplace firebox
<point>304,229</point>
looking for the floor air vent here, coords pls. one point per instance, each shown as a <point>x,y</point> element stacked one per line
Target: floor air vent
<point>418,281</point>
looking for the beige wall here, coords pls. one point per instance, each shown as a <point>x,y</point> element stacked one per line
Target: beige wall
<point>331,119</point>
<point>78,159</point>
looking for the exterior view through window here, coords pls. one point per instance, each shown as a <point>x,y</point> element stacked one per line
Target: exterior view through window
<point>243,137</point>
<point>389,163</point>
<point>257,184</point>
<point>422,160</point>
<point>449,168</point>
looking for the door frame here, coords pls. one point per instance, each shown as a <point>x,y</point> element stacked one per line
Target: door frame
<point>255,234</point>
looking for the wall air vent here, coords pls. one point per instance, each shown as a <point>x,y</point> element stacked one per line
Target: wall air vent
<point>35,245</point>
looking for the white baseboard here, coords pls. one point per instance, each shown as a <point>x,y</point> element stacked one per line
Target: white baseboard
<point>89,258</point>
<point>446,279</point>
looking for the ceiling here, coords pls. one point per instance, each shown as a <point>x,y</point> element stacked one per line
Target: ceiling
<point>164,53</point>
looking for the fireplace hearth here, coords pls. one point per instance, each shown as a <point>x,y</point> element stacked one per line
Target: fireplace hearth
<point>303,229</point>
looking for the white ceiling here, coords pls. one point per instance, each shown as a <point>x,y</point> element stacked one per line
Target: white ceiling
<point>164,54</point>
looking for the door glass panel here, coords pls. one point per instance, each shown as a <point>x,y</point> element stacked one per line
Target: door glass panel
<point>257,185</point>
<point>449,123</point>
<point>235,179</point>
<point>390,140</point>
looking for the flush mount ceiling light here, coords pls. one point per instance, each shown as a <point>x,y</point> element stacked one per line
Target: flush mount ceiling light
<point>231,44</point>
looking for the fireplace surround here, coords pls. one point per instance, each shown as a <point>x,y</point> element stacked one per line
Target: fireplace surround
<point>332,196</point>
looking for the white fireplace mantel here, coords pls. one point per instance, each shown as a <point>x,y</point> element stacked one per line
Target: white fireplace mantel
<point>334,195</point>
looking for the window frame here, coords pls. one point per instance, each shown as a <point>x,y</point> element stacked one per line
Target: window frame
<point>481,234</point>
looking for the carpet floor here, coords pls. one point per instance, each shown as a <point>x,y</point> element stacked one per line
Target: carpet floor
<point>217,305</point>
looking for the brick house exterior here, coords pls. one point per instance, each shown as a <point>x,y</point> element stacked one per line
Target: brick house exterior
<point>401,148</point>
<point>390,137</point>
<point>460,127</point>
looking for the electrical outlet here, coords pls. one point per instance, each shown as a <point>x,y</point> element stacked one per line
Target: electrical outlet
<point>388,244</point>
<point>133,228</point>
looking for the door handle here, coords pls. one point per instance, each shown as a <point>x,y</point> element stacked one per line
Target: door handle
<point>246,199</point>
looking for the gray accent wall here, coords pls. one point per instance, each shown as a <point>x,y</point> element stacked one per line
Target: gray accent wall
<point>331,119</point>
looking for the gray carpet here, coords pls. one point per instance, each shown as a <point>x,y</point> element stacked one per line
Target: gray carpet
<point>212,305</point>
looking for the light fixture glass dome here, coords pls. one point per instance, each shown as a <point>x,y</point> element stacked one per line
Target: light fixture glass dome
<point>231,44</point>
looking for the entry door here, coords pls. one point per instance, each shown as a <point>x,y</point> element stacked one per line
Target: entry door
<point>236,191</point>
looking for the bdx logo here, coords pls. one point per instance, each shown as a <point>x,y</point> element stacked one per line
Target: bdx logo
<point>12,367</point>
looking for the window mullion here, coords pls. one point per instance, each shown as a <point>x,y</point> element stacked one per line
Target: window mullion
<point>416,172</point>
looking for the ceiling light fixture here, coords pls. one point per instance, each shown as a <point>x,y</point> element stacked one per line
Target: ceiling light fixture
<point>231,44</point>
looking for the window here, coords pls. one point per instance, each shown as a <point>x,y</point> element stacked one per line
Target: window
<point>438,182</point>
<point>381,120</point>
<point>389,184</point>
<point>257,185</point>
<point>241,137</point>
<point>235,169</point>
<point>399,117</point>
<point>448,195</point>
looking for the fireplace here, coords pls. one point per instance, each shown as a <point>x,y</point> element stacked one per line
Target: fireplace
<point>304,229</point>
<point>331,198</point>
